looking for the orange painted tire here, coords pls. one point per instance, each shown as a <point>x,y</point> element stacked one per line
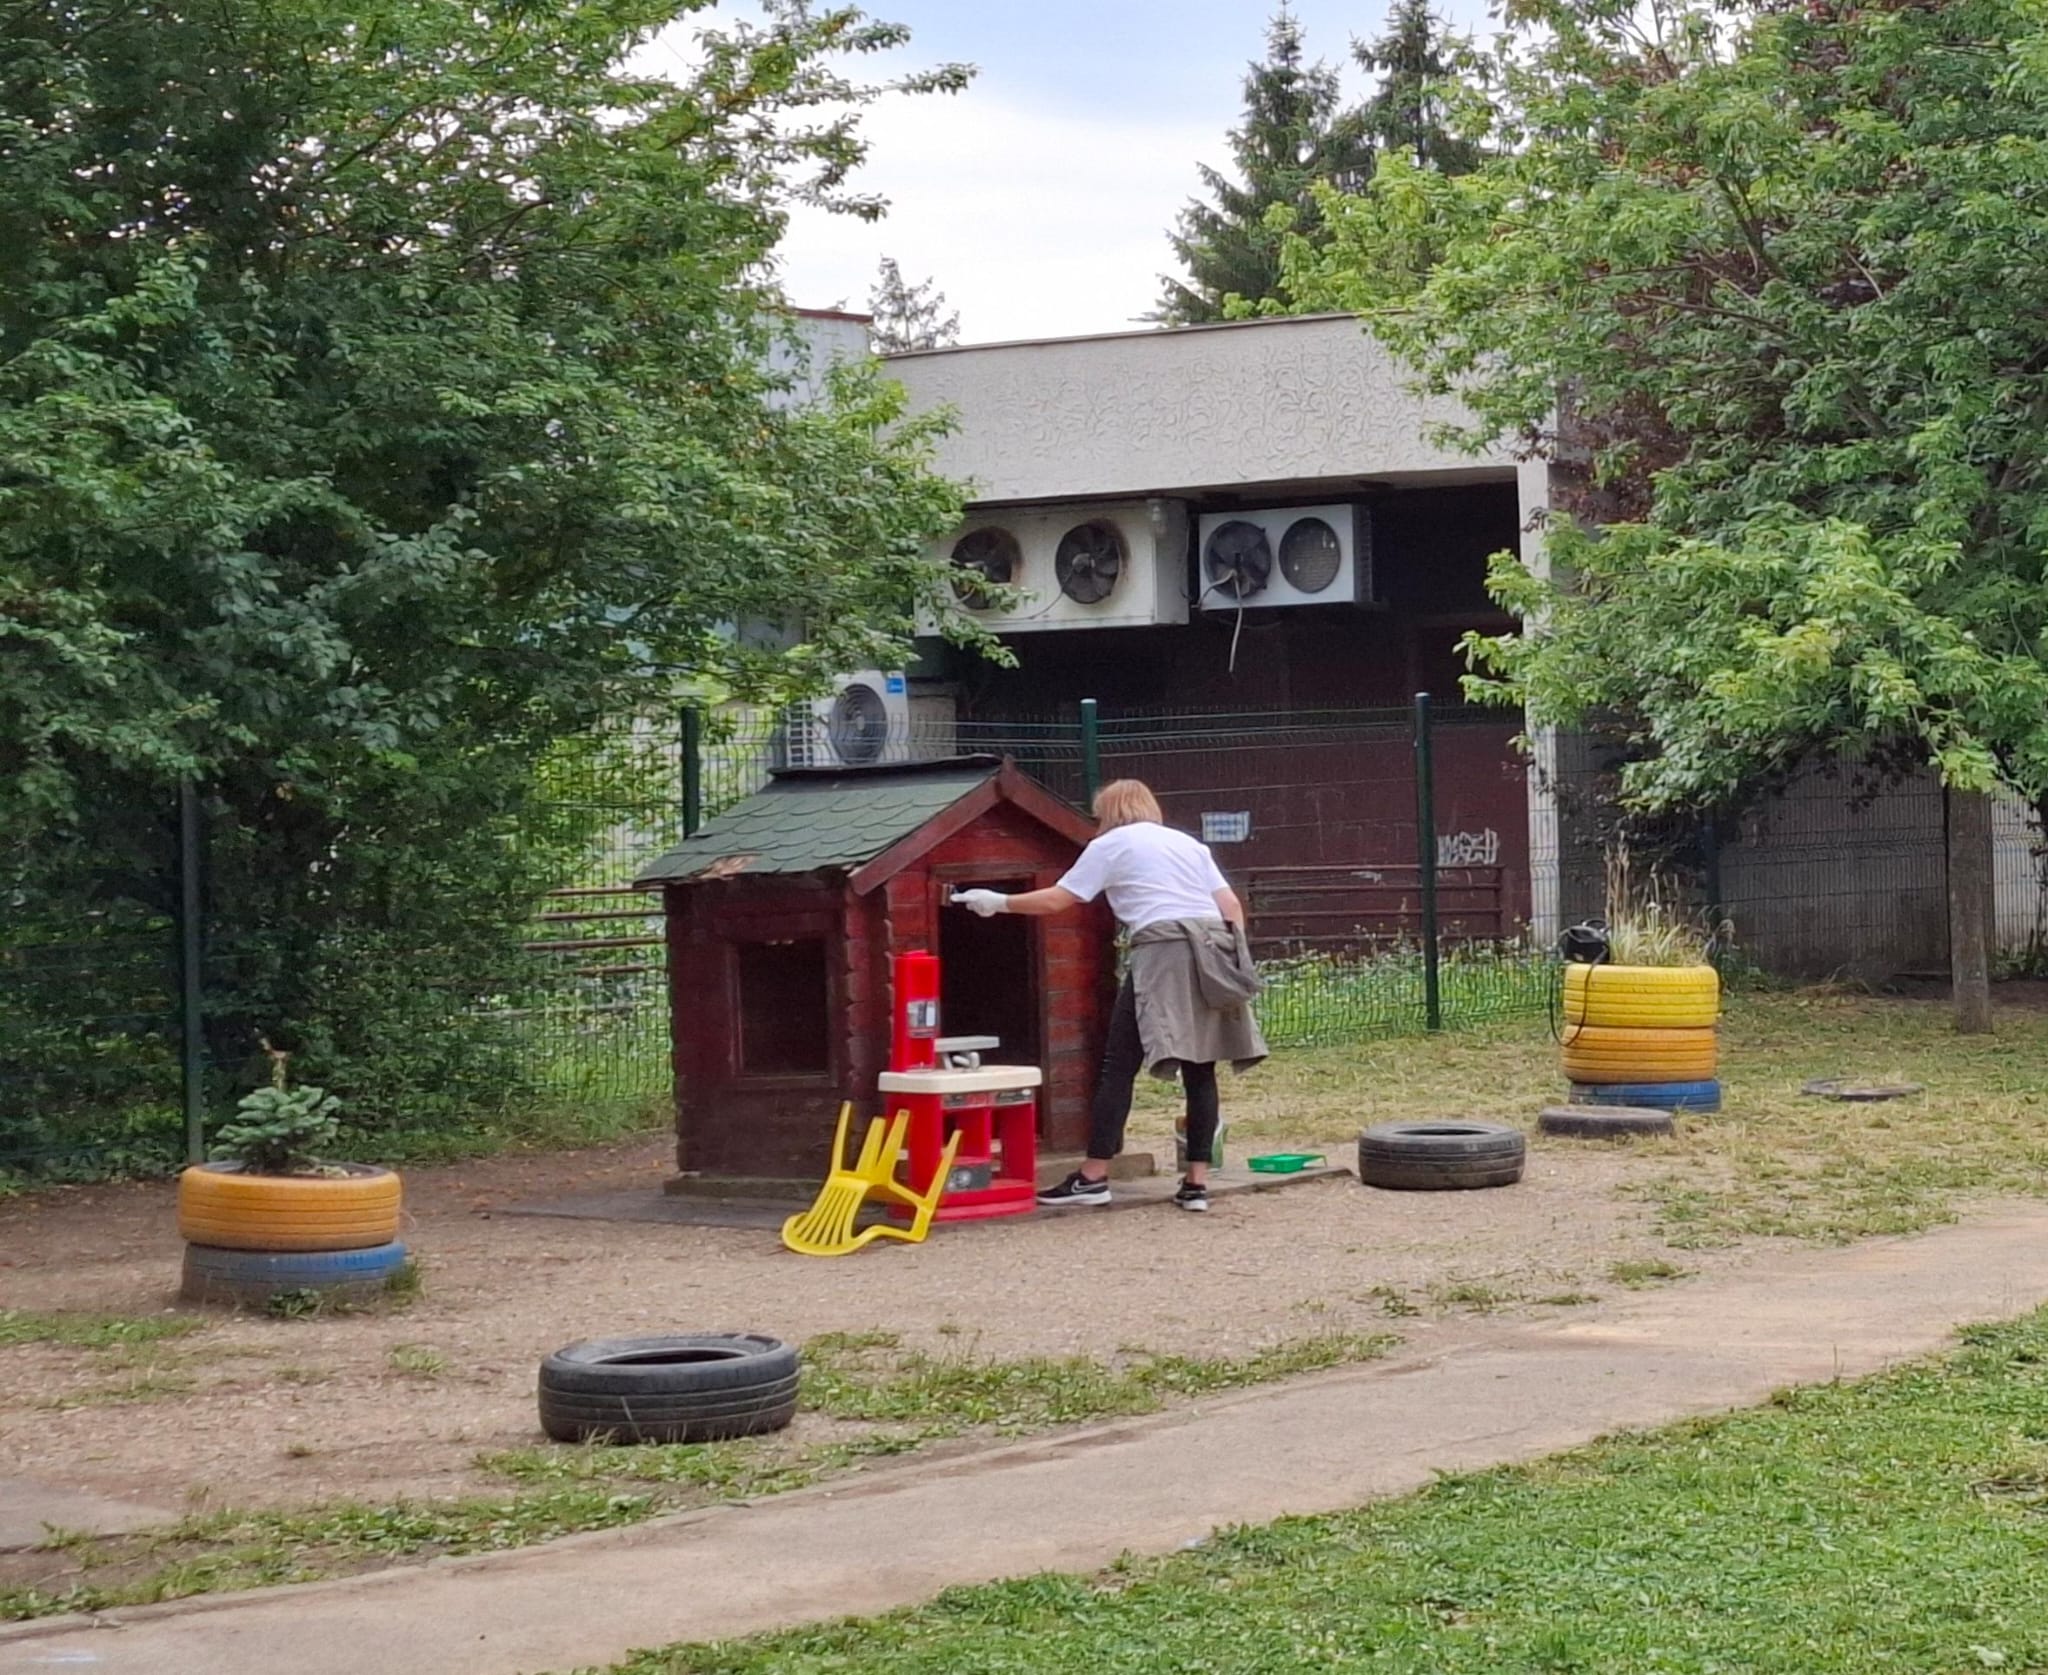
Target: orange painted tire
<point>1600,1053</point>
<point>219,1205</point>
<point>1642,996</point>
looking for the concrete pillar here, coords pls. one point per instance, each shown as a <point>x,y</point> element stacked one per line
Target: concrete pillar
<point>1546,853</point>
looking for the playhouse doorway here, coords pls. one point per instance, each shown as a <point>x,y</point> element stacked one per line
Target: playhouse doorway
<point>988,977</point>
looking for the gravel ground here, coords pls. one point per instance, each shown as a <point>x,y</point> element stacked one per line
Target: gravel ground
<point>251,1411</point>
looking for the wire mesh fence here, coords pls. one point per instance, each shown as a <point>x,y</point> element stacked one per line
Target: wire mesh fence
<point>1839,871</point>
<point>1379,905</point>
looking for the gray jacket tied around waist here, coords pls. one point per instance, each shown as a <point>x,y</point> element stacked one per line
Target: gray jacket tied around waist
<point>1194,982</point>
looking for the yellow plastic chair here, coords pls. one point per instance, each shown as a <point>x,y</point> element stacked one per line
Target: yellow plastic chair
<point>826,1228</point>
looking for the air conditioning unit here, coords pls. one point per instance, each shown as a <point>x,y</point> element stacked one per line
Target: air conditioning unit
<point>1105,565</point>
<point>866,721</point>
<point>1288,555</point>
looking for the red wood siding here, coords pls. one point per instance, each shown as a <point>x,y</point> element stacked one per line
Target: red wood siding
<point>730,1124</point>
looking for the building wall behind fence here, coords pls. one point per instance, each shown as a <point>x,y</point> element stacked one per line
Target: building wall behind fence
<point>1836,875</point>
<point>1819,882</point>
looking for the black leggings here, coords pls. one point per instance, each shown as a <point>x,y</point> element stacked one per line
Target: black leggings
<point>1123,1056</point>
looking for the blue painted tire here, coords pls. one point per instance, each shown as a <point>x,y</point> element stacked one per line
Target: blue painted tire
<point>1662,1096</point>
<point>215,1275</point>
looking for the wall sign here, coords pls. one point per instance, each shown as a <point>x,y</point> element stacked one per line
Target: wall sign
<point>1227,828</point>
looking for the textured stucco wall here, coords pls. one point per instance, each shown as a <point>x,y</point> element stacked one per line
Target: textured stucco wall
<point>1219,407</point>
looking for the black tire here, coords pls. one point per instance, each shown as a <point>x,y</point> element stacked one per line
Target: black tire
<point>1450,1156</point>
<point>693,1387</point>
<point>1604,1122</point>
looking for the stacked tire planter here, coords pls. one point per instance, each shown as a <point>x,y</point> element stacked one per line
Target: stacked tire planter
<point>252,1239</point>
<point>692,1387</point>
<point>1643,1035</point>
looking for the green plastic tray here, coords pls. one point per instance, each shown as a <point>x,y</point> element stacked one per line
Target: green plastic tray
<point>1284,1163</point>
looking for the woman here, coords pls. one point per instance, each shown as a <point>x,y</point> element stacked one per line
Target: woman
<point>1184,1005</point>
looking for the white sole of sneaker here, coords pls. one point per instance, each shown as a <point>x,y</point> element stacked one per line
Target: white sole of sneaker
<point>1073,1203</point>
<point>1200,1209</point>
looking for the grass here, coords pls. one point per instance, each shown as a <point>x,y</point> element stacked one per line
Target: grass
<point>1896,1524</point>
<point>1775,1163</point>
<point>1472,1294</point>
<point>1315,1000</point>
<point>868,1377</point>
<point>877,1398</point>
<point>126,1348</point>
<point>418,1361</point>
<point>1635,1274</point>
<point>150,1385</point>
<point>91,1331</point>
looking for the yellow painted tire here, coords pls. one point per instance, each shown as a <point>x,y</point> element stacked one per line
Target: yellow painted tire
<point>218,1205</point>
<point>1600,1053</point>
<point>1642,996</point>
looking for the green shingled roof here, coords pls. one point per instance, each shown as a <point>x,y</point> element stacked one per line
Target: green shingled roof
<point>821,821</point>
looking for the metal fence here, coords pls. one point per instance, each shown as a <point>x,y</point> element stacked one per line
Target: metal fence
<point>1366,922</point>
<point>1374,911</point>
<point>1840,872</point>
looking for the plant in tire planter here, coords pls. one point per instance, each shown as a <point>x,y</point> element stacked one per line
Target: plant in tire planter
<point>327,1228</point>
<point>1648,1015</point>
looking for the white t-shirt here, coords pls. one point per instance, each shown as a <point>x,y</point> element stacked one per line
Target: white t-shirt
<point>1150,872</point>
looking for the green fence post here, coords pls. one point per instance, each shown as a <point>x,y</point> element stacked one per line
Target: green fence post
<point>191,1017</point>
<point>1091,749</point>
<point>693,770</point>
<point>1425,860</point>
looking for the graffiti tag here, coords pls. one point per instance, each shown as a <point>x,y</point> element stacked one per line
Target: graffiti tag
<point>1468,849</point>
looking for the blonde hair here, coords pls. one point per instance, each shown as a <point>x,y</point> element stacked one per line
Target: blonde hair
<point>1125,802</point>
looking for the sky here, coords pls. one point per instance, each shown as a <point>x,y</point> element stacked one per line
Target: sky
<point>1039,200</point>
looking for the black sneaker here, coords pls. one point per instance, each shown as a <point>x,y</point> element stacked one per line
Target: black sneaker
<point>1192,1197</point>
<point>1077,1188</point>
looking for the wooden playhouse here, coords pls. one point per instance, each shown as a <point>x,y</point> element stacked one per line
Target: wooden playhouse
<point>784,913</point>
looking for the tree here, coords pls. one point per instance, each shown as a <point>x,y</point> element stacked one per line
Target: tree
<point>1410,113</point>
<point>1765,265</point>
<point>383,399</point>
<point>1373,245</point>
<point>1294,135</point>
<point>907,316</point>
<point>1807,388</point>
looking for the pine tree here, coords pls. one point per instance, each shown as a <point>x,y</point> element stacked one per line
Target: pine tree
<point>1408,114</point>
<point>908,316</point>
<point>1294,133</point>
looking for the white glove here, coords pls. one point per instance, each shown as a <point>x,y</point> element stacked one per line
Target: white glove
<point>983,902</point>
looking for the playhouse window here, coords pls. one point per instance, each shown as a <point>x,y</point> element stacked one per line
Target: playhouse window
<point>784,1007</point>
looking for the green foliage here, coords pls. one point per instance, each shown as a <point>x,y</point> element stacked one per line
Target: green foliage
<point>1413,113</point>
<point>280,1131</point>
<point>1374,243</point>
<point>386,398</point>
<point>1294,135</point>
<point>1765,257</point>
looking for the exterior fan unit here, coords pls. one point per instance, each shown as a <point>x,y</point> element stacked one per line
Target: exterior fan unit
<point>1288,555</point>
<point>1108,565</point>
<point>866,721</point>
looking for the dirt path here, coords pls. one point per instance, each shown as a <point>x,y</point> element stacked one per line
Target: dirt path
<point>250,1411</point>
<point>1510,1390</point>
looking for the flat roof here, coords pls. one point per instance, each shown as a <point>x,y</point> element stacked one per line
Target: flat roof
<point>1111,337</point>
